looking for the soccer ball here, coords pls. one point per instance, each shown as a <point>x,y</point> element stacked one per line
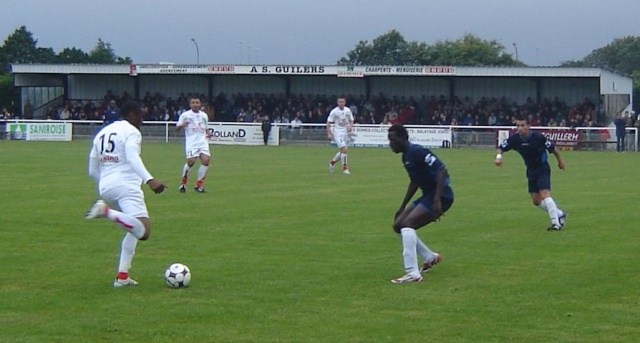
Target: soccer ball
<point>177,275</point>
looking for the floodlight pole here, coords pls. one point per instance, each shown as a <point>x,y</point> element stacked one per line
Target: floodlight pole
<point>197,50</point>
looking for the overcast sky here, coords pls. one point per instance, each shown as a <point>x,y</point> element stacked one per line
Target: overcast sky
<point>545,32</point>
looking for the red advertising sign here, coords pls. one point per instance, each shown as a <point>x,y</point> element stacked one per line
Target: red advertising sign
<point>564,139</point>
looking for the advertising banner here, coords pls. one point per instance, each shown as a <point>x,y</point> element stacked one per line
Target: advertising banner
<point>241,134</point>
<point>406,70</point>
<point>290,69</point>
<point>564,139</point>
<point>39,131</point>
<point>170,68</point>
<point>376,136</point>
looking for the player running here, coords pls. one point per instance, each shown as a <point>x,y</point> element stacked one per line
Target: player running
<point>115,163</point>
<point>339,125</point>
<point>533,147</point>
<point>196,135</point>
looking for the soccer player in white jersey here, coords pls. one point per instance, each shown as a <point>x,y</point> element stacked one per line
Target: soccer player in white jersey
<point>115,163</point>
<point>196,137</point>
<point>339,125</point>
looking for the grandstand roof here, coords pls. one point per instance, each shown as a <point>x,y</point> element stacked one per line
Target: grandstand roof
<point>341,71</point>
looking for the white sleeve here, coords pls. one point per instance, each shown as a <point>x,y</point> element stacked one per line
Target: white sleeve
<point>132,152</point>
<point>180,120</point>
<point>330,117</point>
<point>94,164</point>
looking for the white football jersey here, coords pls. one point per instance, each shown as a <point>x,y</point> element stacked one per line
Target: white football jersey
<point>195,131</point>
<point>109,154</point>
<point>340,119</point>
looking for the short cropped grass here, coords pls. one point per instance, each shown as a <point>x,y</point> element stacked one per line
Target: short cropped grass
<point>283,251</point>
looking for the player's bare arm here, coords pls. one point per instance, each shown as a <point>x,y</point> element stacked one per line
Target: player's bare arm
<point>329,134</point>
<point>561,165</point>
<point>437,203</point>
<point>156,186</point>
<point>207,131</point>
<point>411,191</point>
<point>181,126</point>
<point>94,165</point>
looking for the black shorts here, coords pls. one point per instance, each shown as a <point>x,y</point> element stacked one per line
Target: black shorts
<point>539,179</point>
<point>427,202</point>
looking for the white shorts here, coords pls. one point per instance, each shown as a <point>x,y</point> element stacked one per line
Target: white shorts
<point>341,139</point>
<point>194,152</point>
<point>126,199</point>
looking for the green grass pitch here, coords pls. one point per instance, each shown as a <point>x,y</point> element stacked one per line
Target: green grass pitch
<point>283,251</point>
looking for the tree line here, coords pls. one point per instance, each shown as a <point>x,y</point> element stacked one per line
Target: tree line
<point>391,48</point>
<point>21,47</point>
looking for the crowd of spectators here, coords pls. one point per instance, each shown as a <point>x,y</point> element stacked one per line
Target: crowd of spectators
<point>427,110</point>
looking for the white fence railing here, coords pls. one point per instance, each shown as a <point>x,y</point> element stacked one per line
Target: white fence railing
<point>579,138</point>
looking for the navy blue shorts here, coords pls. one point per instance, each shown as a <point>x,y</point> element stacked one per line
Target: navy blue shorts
<point>539,179</point>
<point>427,202</point>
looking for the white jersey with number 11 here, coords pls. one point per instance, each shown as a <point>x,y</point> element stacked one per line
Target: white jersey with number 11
<point>340,119</point>
<point>195,132</point>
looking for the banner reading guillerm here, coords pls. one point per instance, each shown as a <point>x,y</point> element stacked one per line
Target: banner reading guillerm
<point>241,135</point>
<point>40,131</point>
<point>564,139</point>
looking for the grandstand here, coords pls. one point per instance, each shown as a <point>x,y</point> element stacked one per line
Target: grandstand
<point>468,99</point>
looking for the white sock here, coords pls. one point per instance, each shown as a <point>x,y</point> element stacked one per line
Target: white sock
<point>129,243</point>
<point>409,242</point>
<point>543,207</point>
<point>185,170</point>
<point>343,160</point>
<point>423,250</point>
<point>202,172</point>
<point>126,222</point>
<point>336,157</point>
<point>552,209</point>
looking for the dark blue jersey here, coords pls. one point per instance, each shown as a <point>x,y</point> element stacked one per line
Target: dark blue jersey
<point>423,167</point>
<point>532,148</point>
<point>111,115</point>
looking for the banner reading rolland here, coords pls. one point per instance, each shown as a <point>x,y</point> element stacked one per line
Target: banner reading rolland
<point>241,135</point>
<point>40,131</point>
<point>564,139</point>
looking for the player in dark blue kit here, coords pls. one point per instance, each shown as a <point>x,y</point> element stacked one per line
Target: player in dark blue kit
<point>429,174</point>
<point>533,147</point>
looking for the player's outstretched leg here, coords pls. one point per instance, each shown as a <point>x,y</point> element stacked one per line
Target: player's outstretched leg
<point>553,212</point>
<point>185,177</point>
<point>202,173</point>
<point>343,160</point>
<point>409,255</point>
<point>562,218</point>
<point>430,258</point>
<point>128,223</point>
<point>126,256</point>
<point>333,161</point>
